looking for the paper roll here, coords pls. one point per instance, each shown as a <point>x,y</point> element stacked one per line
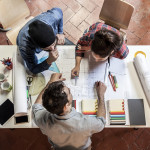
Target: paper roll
<point>143,72</point>
<point>20,91</point>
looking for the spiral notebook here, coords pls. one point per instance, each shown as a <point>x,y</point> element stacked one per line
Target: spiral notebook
<point>89,107</point>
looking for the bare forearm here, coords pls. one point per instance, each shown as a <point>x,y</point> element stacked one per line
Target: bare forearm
<point>78,60</point>
<point>39,98</point>
<point>101,112</point>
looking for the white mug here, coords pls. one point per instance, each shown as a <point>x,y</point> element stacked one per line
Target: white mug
<point>6,86</point>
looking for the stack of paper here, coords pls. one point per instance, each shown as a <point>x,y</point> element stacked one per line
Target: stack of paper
<point>89,107</point>
<point>117,112</point>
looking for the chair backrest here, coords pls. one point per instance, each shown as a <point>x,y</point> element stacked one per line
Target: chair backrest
<point>116,13</point>
<point>13,14</point>
<point>12,11</point>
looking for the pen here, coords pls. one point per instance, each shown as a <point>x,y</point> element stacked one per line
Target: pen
<point>109,61</point>
<point>75,80</point>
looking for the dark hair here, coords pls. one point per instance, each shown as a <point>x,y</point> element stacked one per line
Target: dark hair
<point>105,41</point>
<point>54,98</point>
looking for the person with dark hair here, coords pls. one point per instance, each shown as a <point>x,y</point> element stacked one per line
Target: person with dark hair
<point>54,115</point>
<point>43,32</point>
<point>104,41</point>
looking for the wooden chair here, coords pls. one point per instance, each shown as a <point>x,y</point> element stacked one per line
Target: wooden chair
<point>116,13</point>
<point>13,14</point>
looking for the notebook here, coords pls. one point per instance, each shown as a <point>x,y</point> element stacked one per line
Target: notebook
<point>136,112</point>
<point>89,107</point>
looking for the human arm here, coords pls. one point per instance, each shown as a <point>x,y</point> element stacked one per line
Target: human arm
<point>59,16</point>
<point>75,71</point>
<point>54,77</point>
<point>53,55</point>
<point>79,54</point>
<point>101,89</point>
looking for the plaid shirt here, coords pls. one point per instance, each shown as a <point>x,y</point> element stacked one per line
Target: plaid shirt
<point>87,38</point>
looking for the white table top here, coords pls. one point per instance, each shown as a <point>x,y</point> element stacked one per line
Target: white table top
<point>135,87</point>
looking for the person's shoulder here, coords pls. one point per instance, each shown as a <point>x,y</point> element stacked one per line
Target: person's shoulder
<point>56,9</point>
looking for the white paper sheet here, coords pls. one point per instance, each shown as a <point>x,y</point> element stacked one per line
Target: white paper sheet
<point>90,72</point>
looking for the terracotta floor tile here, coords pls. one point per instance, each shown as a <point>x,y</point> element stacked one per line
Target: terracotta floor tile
<point>120,145</point>
<point>84,25</point>
<point>90,6</point>
<point>129,138</point>
<point>67,14</point>
<point>72,39</point>
<point>42,5</point>
<point>72,4</point>
<point>132,39</point>
<point>98,2</point>
<point>72,30</point>
<point>134,146</point>
<point>145,40</point>
<point>57,3</point>
<point>143,141</point>
<point>135,28</point>
<point>94,16</point>
<point>79,16</point>
<point>81,1</point>
<point>31,7</point>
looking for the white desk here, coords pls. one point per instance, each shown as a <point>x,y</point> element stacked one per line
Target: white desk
<point>5,52</point>
<point>135,89</point>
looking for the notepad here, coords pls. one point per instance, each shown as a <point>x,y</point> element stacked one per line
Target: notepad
<point>89,107</point>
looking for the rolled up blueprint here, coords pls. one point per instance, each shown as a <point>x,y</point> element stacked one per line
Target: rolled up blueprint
<point>143,71</point>
<point>19,91</point>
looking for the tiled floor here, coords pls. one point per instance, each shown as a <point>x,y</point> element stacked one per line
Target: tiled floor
<point>78,15</point>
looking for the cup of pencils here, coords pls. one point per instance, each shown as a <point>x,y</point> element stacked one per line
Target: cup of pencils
<point>8,63</point>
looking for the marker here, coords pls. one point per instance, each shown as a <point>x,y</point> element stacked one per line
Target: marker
<point>112,81</point>
<point>115,80</point>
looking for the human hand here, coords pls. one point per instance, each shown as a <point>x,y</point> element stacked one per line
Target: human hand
<point>61,39</point>
<point>53,55</point>
<point>56,77</point>
<point>101,89</point>
<point>75,71</point>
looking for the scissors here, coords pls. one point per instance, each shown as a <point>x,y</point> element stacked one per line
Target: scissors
<point>29,80</point>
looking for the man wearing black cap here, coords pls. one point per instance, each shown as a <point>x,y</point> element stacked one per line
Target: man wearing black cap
<point>43,32</point>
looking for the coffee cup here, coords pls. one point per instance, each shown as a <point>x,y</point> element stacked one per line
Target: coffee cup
<point>6,86</point>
